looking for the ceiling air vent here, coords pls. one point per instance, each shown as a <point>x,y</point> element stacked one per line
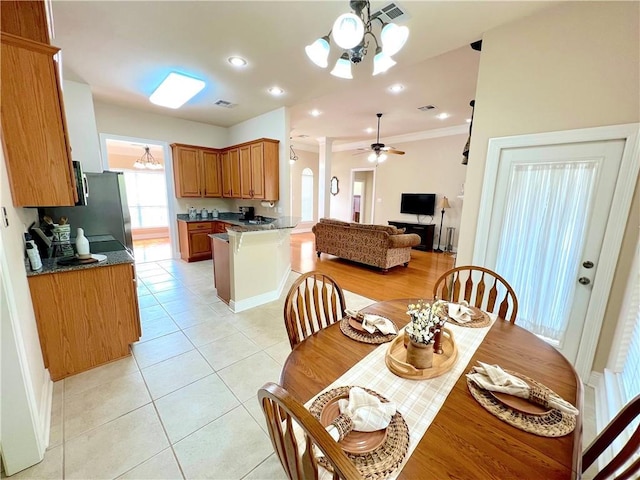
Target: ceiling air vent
<point>394,12</point>
<point>224,103</point>
<point>426,108</point>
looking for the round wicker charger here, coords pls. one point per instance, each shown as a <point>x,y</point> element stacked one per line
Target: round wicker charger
<point>553,423</point>
<point>379,463</point>
<point>479,320</point>
<point>364,336</point>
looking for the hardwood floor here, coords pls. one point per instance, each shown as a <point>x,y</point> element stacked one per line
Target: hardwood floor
<point>414,281</point>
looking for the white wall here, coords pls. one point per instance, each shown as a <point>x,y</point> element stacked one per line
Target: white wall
<point>81,125</point>
<point>274,125</point>
<point>573,66</point>
<point>309,160</point>
<point>26,385</point>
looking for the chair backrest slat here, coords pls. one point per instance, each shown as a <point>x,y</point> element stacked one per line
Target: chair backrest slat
<point>314,301</point>
<point>460,283</point>
<point>281,411</point>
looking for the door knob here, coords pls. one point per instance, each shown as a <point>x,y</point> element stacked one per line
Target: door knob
<point>587,264</point>
<point>584,281</point>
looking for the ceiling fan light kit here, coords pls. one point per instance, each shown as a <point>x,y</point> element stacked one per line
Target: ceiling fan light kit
<point>379,152</point>
<point>350,31</point>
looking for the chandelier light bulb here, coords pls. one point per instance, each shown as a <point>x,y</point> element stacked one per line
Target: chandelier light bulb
<point>372,157</point>
<point>138,164</point>
<point>382,62</point>
<point>393,38</point>
<point>318,52</point>
<point>382,157</point>
<point>343,67</point>
<point>348,30</point>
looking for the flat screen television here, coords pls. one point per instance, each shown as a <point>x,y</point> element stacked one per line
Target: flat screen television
<point>418,203</point>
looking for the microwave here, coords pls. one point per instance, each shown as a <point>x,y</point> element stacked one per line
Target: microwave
<point>81,183</point>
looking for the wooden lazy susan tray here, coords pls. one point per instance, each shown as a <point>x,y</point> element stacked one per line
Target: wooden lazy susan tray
<point>396,358</point>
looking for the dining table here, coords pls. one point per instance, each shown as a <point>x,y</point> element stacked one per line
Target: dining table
<point>464,441</point>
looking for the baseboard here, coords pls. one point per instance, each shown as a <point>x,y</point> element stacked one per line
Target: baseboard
<point>44,415</point>
<point>261,299</point>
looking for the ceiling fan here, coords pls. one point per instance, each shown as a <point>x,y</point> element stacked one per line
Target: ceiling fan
<point>378,150</point>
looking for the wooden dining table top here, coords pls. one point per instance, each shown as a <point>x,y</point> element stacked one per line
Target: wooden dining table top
<point>464,441</point>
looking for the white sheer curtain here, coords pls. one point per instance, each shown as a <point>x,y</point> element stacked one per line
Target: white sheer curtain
<point>541,240</point>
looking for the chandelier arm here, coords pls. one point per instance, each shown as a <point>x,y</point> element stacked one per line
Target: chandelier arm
<point>369,32</point>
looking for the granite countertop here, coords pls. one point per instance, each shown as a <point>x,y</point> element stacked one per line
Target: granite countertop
<point>222,216</point>
<point>267,223</point>
<point>220,236</point>
<point>49,265</point>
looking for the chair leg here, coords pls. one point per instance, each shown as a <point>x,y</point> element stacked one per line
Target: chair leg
<point>318,253</point>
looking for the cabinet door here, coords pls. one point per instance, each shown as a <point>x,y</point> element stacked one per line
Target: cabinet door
<point>25,19</point>
<point>85,317</point>
<point>212,181</point>
<point>271,175</point>
<point>187,168</point>
<point>257,171</point>
<point>33,126</point>
<point>231,173</point>
<point>199,244</point>
<point>246,185</point>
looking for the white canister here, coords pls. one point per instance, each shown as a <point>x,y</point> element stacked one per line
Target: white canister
<point>82,245</point>
<point>204,213</point>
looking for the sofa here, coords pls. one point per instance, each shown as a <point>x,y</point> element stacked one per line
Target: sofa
<point>381,246</point>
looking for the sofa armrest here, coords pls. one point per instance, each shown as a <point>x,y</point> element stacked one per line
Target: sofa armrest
<point>404,240</point>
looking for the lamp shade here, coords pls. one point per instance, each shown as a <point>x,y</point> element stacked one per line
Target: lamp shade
<point>382,157</point>
<point>343,67</point>
<point>372,157</point>
<point>393,38</point>
<point>444,203</point>
<point>348,30</point>
<point>318,51</point>
<point>382,62</point>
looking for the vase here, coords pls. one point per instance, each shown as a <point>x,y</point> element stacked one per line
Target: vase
<point>420,355</point>
<point>82,245</point>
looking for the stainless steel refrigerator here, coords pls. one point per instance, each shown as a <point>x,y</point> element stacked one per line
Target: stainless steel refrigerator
<point>106,211</point>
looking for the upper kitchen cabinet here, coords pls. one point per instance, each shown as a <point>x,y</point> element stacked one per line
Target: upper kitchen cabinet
<point>231,173</point>
<point>38,154</point>
<point>197,171</point>
<point>259,169</point>
<point>25,19</point>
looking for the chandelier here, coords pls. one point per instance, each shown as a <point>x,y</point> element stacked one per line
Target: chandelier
<point>147,161</point>
<point>350,32</point>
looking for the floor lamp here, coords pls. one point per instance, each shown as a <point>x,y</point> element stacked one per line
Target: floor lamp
<point>443,203</point>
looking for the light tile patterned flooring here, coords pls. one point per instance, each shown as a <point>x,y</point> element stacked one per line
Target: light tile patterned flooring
<point>184,404</point>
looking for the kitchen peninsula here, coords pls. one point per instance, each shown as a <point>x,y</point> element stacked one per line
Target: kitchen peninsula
<point>252,262</point>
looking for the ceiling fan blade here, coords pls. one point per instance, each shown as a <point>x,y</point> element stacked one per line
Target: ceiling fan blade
<point>395,152</point>
<point>362,152</point>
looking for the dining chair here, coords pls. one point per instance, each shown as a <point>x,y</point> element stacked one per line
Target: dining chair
<point>314,301</point>
<point>485,286</point>
<point>281,410</point>
<point>608,436</point>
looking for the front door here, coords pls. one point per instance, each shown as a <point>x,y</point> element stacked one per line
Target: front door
<point>552,215</point>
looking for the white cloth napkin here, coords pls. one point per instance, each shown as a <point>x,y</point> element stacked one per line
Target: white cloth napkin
<point>460,312</point>
<point>366,411</point>
<point>373,322</point>
<point>492,377</point>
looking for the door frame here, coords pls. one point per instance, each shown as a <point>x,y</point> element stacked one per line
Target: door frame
<point>168,171</point>
<point>373,190</point>
<point>614,231</point>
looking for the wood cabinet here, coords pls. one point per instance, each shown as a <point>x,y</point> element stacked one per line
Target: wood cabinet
<point>231,173</point>
<point>220,227</point>
<point>194,240</point>
<point>25,19</point>
<point>85,317</point>
<point>38,155</point>
<point>221,268</point>
<point>259,167</point>
<point>196,171</point>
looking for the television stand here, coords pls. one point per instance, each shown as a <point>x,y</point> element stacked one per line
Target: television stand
<point>424,230</point>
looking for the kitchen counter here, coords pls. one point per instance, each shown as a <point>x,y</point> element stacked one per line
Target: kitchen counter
<point>227,217</point>
<point>49,265</point>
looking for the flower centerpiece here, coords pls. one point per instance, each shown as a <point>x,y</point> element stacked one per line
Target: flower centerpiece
<point>424,331</point>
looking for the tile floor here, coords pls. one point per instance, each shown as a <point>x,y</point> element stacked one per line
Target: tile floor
<point>184,404</point>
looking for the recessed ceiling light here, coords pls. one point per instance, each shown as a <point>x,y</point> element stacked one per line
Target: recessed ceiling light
<point>275,91</point>
<point>468,120</point>
<point>396,88</point>
<point>315,112</point>
<point>369,130</point>
<point>237,61</point>
<point>176,90</point>
<point>443,115</point>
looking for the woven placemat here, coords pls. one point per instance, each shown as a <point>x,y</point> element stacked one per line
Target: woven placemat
<point>553,423</point>
<point>366,337</point>
<point>483,320</point>
<point>379,463</point>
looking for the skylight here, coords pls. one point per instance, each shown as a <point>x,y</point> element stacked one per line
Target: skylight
<point>176,90</point>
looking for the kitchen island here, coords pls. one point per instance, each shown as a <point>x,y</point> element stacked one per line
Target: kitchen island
<point>252,262</point>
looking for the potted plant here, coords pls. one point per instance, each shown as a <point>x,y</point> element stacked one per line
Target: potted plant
<point>422,334</point>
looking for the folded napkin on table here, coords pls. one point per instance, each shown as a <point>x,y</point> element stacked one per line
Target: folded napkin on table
<point>363,412</point>
<point>460,312</point>
<point>371,322</point>
<point>492,377</point>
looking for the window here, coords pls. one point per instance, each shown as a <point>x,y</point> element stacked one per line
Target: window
<point>307,195</point>
<point>147,198</point>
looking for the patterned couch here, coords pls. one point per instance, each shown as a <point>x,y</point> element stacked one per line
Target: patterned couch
<point>377,245</point>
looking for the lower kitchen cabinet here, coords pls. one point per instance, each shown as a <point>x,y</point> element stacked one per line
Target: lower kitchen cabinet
<point>194,240</point>
<point>86,317</point>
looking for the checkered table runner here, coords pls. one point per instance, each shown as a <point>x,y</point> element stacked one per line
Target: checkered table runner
<point>417,400</point>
